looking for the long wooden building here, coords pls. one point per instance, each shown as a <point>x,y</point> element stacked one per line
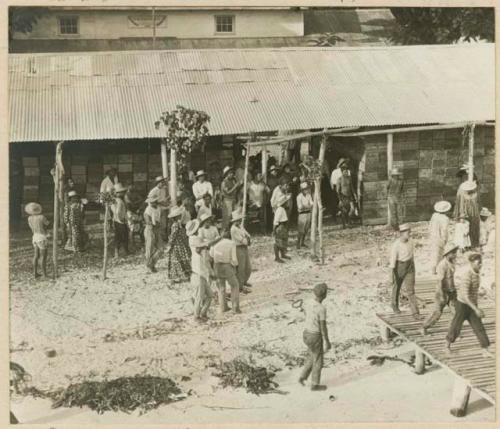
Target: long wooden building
<point>406,103</point>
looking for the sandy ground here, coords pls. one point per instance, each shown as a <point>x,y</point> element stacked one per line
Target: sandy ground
<point>137,323</point>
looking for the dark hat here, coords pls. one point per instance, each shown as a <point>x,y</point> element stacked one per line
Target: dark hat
<point>320,290</point>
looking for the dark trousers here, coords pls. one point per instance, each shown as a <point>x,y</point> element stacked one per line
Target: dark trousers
<point>121,236</point>
<point>404,277</point>
<point>314,362</point>
<point>442,300</point>
<point>462,313</point>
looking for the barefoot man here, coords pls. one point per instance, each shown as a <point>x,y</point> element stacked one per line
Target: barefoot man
<point>38,224</point>
<point>315,334</point>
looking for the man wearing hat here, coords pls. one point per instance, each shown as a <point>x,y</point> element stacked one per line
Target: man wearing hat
<point>160,193</point>
<point>467,205</point>
<point>200,280</point>
<point>486,227</point>
<point>205,206</point>
<point>229,189</point>
<point>38,224</point>
<point>334,178</point>
<point>395,198</point>
<point>467,282</point>
<point>280,231</point>
<point>152,225</point>
<point>258,192</point>
<point>119,211</point>
<point>200,188</point>
<point>315,337</point>
<point>109,181</point>
<point>446,293</point>
<point>438,232</point>
<point>241,239</point>
<point>402,267</point>
<point>304,207</point>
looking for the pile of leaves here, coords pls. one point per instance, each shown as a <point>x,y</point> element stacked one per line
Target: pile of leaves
<point>124,394</point>
<point>238,373</point>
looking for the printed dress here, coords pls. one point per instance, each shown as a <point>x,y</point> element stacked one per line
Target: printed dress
<point>179,254</point>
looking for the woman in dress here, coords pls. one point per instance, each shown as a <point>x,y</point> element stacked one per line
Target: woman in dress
<point>178,252</point>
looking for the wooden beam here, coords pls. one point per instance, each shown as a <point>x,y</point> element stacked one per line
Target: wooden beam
<point>164,160</point>
<point>471,152</point>
<point>173,177</point>
<point>389,168</point>
<point>105,233</point>
<point>460,398</point>
<point>321,159</point>
<point>57,183</point>
<point>245,185</point>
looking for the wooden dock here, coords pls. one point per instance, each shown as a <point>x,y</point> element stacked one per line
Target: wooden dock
<point>471,369</point>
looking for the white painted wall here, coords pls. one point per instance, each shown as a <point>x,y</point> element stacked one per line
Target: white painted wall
<point>180,24</point>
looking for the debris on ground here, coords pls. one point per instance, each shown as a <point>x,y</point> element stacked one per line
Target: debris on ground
<point>124,394</point>
<point>238,373</point>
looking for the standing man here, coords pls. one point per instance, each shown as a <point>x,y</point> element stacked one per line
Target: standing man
<point>241,239</point>
<point>279,192</point>
<point>402,267</point>
<point>395,198</point>
<point>205,206</point>
<point>200,188</point>
<point>229,188</point>
<point>466,308</point>
<point>257,196</point>
<point>225,260</point>
<point>152,223</point>
<point>38,224</point>
<point>119,210</point>
<point>304,207</point>
<point>109,181</point>
<point>272,183</point>
<point>160,193</point>
<point>315,335</point>
<point>438,232</point>
<point>346,195</point>
<point>467,206</point>
<point>446,293</point>
<point>334,178</point>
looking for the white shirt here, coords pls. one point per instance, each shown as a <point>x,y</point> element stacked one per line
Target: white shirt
<point>280,216</point>
<point>200,189</point>
<point>336,175</point>
<point>154,214</point>
<point>401,252</point>
<point>239,235</point>
<point>438,229</point>
<point>315,313</point>
<point>161,194</point>
<point>256,193</point>
<point>107,185</point>
<point>304,202</point>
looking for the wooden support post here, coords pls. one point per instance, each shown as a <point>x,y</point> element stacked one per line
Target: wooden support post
<point>173,177</point>
<point>264,178</point>
<point>471,153</point>
<point>389,168</point>
<point>314,221</point>
<point>245,185</point>
<point>419,362</point>
<point>460,398</point>
<point>58,173</point>
<point>105,233</point>
<point>164,161</point>
<point>321,160</point>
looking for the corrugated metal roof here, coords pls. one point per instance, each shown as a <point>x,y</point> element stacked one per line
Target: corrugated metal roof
<point>121,94</point>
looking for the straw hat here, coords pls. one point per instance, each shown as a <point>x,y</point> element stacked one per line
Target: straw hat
<point>273,168</point>
<point>485,212</point>
<point>404,227</point>
<point>204,217</point>
<point>450,247</point>
<point>72,193</point>
<point>226,170</point>
<point>395,172</point>
<point>192,226</point>
<point>442,207</point>
<point>236,215</point>
<point>159,179</point>
<point>152,199</point>
<point>175,212</point>
<point>304,185</point>
<point>33,209</point>
<point>200,173</point>
<point>342,161</point>
<point>120,188</point>
<point>469,186</point>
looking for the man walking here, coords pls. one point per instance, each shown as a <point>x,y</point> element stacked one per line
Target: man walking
<point>446,293</point>
<point>241,239</point>
<point>466,308</point>
<point>403,271</point>
<point>315,334</point>
<point>119,210</point>
<point>438,232</point>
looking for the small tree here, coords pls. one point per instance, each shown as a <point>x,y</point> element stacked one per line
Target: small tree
<point>185,129</point>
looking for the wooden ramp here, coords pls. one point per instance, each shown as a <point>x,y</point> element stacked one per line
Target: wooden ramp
<point>466,362</point>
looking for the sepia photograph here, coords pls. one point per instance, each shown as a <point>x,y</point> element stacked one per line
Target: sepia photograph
<point>250,214</point>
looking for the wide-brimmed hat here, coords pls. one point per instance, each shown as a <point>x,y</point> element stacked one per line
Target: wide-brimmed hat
<point>463,169</point>
<point>304,185</point>
<point>341,162</point>
<point>442,206</point>
<point>236,215</point>
<point>120,188</point>
<point>404,227</point>
<point>469,186</point>
<point>450,247</point>
<point>152,199</point>
<point>72,193</point>
<point>200,173</point>
<point>204,217</point>
<point>283,199</point>
<point>395,172</point>
<point>159,179</point>
<point>175,211</point>
<point>192,226</point>
<point>226,170</point>
<point>485,212</point>
<point>33,209</point>
<point>273,168</point>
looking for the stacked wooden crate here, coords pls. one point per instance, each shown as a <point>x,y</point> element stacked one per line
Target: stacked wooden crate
<point>31,181</point>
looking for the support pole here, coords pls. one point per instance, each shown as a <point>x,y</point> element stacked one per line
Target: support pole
<point>389,168</point>
<point>153,17</point>
<point>173,177</point>
<point>314,221</point>
<point>321,159</point>
<point>264,178</point>
<point>419,362</point>
<point>164,161</point>
<point>105,233</point>
<point>58,172</point>
<point>245,184</point>
<point>471,152</point>
<point>460,398</point>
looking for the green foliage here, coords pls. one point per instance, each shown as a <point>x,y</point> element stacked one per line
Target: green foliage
<point>22,19</point>
<point>442,25</point>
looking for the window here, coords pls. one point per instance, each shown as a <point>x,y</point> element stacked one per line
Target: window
<point>224,24</point>
<point>68,25</point>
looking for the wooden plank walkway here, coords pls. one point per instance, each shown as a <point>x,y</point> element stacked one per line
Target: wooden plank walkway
<point>466,359</point>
